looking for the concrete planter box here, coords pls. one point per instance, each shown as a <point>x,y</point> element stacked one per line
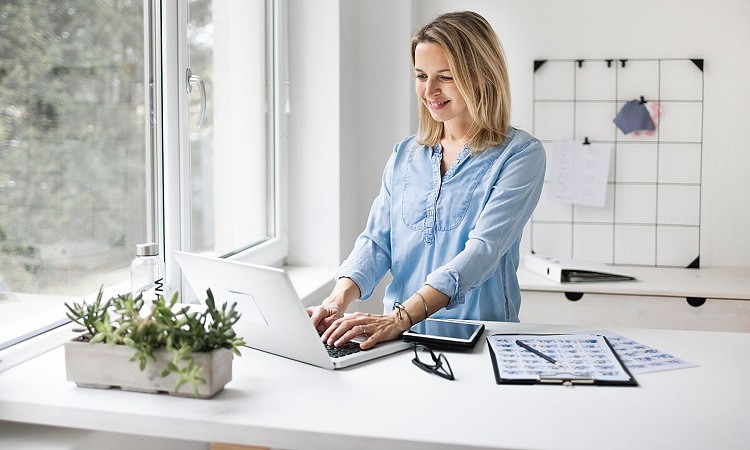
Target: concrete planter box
<point>102,366</point>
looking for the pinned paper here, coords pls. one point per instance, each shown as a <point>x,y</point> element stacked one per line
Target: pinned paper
<point>634,116</point>
<point>654,109</point>
<point>579,173</point>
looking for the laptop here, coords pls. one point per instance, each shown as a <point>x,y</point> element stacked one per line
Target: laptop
<point>273,319</point>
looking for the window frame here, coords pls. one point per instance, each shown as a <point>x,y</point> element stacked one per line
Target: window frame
<point>171,167</point>
<point>165,144</point>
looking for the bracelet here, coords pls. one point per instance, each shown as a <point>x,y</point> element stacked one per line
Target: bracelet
<point>400,307</point>
<point>424,302</point>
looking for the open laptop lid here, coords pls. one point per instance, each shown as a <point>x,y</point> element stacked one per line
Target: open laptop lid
<point>273,317</point>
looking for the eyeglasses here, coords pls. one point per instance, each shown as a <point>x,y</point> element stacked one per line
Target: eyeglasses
<point>425,359</point>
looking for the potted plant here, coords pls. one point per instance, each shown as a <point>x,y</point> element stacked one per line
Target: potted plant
<point>174,348</point>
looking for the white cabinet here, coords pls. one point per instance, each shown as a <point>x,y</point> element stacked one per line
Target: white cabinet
<point>657,299</point>
<point>612,310</point>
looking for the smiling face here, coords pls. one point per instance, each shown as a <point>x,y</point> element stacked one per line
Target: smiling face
<point>436,88</point>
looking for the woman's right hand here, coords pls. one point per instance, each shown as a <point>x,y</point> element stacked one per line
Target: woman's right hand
<point>333,307</point>
<point>323,316</point>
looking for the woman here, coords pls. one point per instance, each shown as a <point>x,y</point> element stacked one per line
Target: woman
<point>454,198</point>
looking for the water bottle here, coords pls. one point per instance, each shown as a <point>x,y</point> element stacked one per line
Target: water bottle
<point>147,273</point>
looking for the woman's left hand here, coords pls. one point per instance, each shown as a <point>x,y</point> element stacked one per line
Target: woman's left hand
<point>377,328</point>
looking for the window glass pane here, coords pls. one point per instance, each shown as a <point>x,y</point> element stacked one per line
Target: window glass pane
<point>72,143</point>
<point>231,170</point>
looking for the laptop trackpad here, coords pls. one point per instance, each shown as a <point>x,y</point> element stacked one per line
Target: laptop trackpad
<point>247,306</point>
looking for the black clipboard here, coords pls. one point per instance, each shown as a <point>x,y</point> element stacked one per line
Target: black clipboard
<point>513,356</point>
<point>590,276</point>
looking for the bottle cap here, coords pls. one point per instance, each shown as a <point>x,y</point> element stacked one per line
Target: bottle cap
<point>150,249</point>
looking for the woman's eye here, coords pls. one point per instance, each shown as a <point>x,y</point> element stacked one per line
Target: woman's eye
<point>446,78</point>
<point>421,76</point>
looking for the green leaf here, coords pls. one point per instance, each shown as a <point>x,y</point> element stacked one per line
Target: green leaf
<point>175,328</point>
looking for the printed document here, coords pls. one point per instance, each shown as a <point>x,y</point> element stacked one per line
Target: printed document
<point>579,173</point>
<point>576,356</point>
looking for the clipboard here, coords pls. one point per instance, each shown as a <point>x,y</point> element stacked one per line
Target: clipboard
<point>565,359</point>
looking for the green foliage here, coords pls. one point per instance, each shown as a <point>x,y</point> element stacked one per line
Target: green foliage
<point>73,119</point>
<point>89,315</point>
<point>177,329</point>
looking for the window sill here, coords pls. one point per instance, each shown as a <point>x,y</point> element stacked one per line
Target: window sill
<point>313,283</point>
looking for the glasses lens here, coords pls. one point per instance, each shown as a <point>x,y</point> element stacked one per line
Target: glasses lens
<point>424,356</point>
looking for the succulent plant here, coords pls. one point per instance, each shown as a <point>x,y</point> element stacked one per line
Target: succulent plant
<point>119,321</point>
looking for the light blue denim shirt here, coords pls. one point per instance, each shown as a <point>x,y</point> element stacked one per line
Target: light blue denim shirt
<point>459,233</point>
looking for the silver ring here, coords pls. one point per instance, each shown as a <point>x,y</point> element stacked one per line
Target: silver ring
<point>363,329</point>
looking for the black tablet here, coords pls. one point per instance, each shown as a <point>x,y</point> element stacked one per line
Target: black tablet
<point>445,333</point>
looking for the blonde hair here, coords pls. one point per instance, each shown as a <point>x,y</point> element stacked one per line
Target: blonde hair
<point>477,63</point>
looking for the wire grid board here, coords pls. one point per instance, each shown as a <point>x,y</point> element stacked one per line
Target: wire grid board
<point>653,206</point>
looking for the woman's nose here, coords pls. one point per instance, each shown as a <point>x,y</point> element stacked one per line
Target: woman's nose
<point>432,89</point>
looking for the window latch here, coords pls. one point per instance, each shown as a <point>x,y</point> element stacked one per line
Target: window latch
<point>197,81</point>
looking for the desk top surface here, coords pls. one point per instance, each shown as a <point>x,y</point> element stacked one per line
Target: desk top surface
<point>390,403</point>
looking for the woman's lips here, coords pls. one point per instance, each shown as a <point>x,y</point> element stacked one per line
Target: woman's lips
<point>437,105</point>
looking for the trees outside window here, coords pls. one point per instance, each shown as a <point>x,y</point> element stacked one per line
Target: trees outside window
<point>72,142</point>
<point>82,170</point>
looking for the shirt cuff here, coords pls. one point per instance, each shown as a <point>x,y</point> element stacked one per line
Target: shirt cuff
<point>447,281</point>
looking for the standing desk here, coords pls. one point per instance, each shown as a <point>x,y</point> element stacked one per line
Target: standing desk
<point>390,403</point>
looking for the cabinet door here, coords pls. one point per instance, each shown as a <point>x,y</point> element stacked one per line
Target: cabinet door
<point>596,310</point>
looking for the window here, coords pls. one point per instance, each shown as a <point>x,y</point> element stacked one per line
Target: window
<point>226,77</point>
<point>95,157</point>
<point>231,171</point>
<point>72,135</point>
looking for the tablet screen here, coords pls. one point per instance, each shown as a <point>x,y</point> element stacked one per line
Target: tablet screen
<point>460,331</point>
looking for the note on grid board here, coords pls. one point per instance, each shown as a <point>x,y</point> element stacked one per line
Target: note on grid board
<point>579,173</point>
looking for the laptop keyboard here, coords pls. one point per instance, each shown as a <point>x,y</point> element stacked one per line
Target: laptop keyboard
<point>346,349</point>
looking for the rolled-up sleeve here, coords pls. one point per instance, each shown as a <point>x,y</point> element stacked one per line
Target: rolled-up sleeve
<point>514,196</point>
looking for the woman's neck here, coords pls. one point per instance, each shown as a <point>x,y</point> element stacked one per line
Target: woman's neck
<point>454,133</point>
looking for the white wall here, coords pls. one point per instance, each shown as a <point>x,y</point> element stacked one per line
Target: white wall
<point>350,104</point>
<point>718,31</point>
<point>376,78</point>
<point>350,75</point>
<point>313,136</point>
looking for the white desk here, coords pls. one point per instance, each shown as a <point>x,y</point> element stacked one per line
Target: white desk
<point>390,403</point>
